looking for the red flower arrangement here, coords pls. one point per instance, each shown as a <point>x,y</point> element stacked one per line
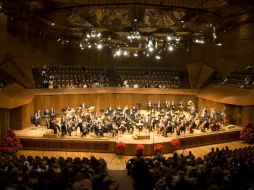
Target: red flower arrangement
<point>247,133</point>
<point>140,147</point>
<point>159,148</point>
<point>175,143</point>
<point>10,143</point>
<point>121,146</point>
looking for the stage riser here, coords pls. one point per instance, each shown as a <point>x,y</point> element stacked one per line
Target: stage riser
<point>67,145</point>
<point>109,146</point>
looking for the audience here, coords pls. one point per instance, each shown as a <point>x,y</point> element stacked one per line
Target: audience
<point>52,173</point>
<point>220,169</point>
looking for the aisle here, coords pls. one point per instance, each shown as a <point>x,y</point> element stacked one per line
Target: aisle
<point>125,181</point>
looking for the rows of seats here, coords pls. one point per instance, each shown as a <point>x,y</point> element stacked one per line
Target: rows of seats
<point>70,76</point>
<point>220,169</point>
<point>242,78</point>
<point>154,78</point>
<point>40,173</point>
<point>83,77</point>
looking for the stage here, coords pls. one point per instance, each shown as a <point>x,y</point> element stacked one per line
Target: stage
<point>43,139</point>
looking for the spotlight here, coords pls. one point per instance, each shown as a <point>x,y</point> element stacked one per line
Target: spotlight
<point>99,46</point>
<point>117,53</point>
<point>219,44</point>
<point>158,57</point>
<point>199,41</point>
<point>125,53</point>
<point>169,38</point>
<point>135,54</point>
<point>170,48</point>
<point>177,38</point>
<point>150,49</point>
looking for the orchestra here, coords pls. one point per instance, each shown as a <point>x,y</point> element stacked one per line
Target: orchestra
<point>169,118</point>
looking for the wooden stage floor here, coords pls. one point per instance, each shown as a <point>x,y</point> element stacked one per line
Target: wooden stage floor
<point>34,138</point>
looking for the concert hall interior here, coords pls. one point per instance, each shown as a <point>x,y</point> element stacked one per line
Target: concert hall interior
<point>143,87</point>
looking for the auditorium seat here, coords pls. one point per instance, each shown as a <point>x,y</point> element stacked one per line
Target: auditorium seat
<point>64,76</point>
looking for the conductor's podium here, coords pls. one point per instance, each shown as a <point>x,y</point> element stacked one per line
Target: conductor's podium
<point>141,136</point>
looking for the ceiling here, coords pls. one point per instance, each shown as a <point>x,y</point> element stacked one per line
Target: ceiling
<point>114,19</point>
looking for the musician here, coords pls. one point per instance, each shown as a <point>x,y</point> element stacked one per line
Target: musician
<point>83,105</point>
<point>128,124</point>
<point>149,105</point>
<point>161,126</point>
<point>46,113</point>
<point>122,127</point>
<point>53,126</point>
<point>100,130</point>
<point>167,105</point>
<point>192,110</point>
<point>52,112</point>
<point>181,115</point>
<point>180,128</point>
<point>173,105</point>
<point>109,127</point>
<point>192,125</point>
<point>158,105</point>
<point>181,107</point>
<point>151,123</point>
<point>83,128</point>
<point>203,112</point>
<point>64,128</point>
<point>168,129</point>
<point>212,113</point>
<point>126,110</point>
<point>173,123</point>
<point>110,110</point>
<point>139,124</point>
<point>94,127</point>
<point>204,124</point>
<point>71,126</point>
<point>37,118</point>
<point>189,105</point>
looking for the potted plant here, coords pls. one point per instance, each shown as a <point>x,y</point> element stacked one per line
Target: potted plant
<point>120,148</point>
<point>139,149</point>
<point>10,144</point>
<point>158,149</point>
<point>247,133</point>
<point>175,143</point>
